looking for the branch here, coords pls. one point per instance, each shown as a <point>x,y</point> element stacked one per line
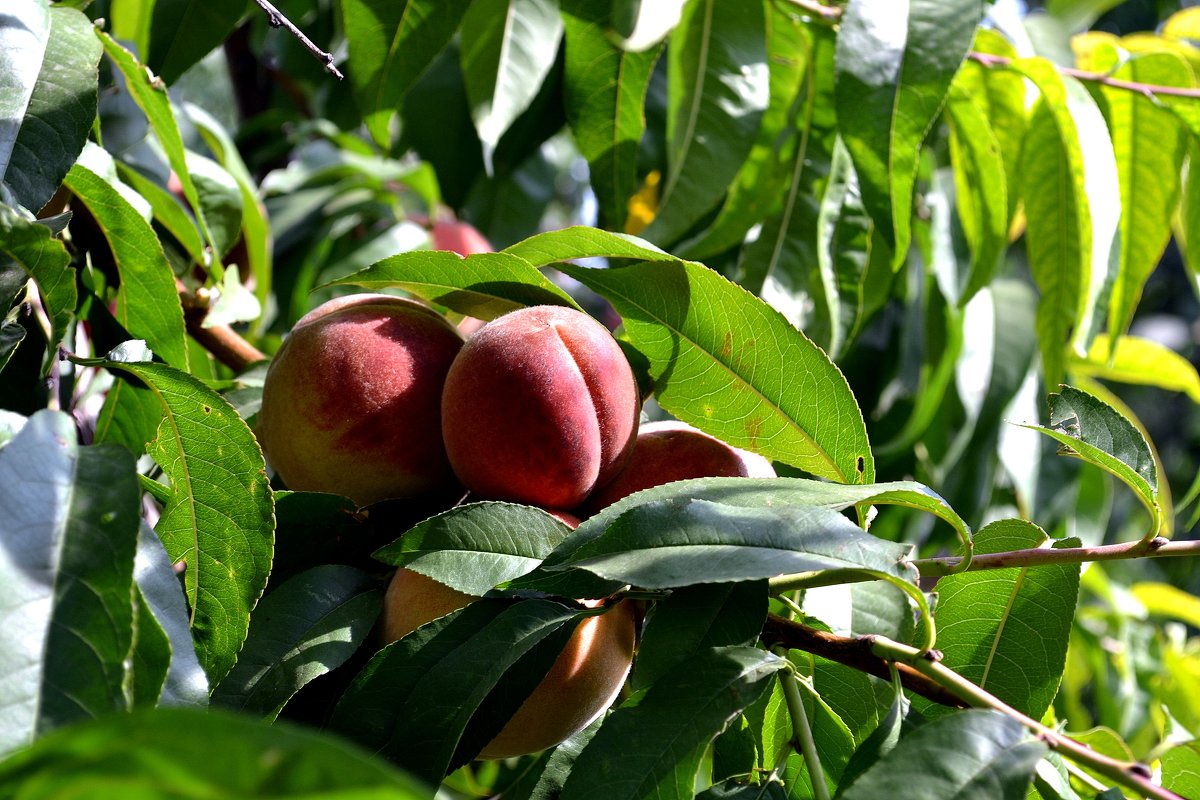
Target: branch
<point>278,20</point>
<point>854,653</point>
<point>823,11</point>
<point>221,340</point>
<point>1130,774</point>
<point>1149,90</point>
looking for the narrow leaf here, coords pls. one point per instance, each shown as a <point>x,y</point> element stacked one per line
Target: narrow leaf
<point>306,627</point>
<point>651,750</point>
<point>718,88</point>
<point>1139,361</point>
<point>68,533</point>
<point>391,45</point>
<point>719,357</point>
<point>895,62</point>
<point>566,244</point>
<point>1187,231</point>
<point>184,31</point>
<point>483,285</point>
<point>220,520</point>
<point>641,24</point>
<point>45,259</point>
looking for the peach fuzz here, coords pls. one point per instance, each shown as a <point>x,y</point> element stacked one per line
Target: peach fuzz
<point>583,681</point>
<point>352,401</point>
<point>540,407</point>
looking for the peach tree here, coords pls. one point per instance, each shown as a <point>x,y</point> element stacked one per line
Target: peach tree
<point>934,263</point>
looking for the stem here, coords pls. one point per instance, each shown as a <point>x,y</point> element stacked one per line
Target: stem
<point>221,340</point>
<point>802,731</point>
<point>278,20</point>
<point>1132,775</point>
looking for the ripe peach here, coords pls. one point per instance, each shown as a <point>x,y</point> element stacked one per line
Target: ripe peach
<point>352,400</point>
<point>674,451</point>
<point>540,407</point>
<point>583,681</point>
<point>458,237</point>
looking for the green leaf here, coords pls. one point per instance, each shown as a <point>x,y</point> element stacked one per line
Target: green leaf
<point>1070,188</point>
<point>220,519</point>
<point>693,619</point>
<point>184,31</point>
<point>163,754</point>
<point>1006,630</point>
<point>45,259</point>
<point>69,533</point>
<point>640,24</point>
<point>414,699</point>
<point>148,303</point>
<point>306,627</point>
<point>653,749</point>
<point>1181,769</point>
<point>978,753</point>
<point>167,210</point>
<point>220,200</point>
<point>762,177</point>
<point>1092,430</point>
<point>185,683</point>
<point>1165,600</point>
<point>980,187</point>
<point>719,357</point>
<point>474,547</point>
<point>895,62</point>
<point>1187,231</point>
<point>11,336</point>
<point>508,48</point>
<point>60,110</point>
<point>1143,362</point>
<point>718,87</point>
<point>667,544</point>
<point>732,790</point>
<point>391,45</point>
<point>834,744</point>
<point>483,285</point>
<point>23,43</point>
<point>1149,144</point>
<point>604,91</point>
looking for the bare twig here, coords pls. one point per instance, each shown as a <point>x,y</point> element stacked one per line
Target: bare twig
<point>221,340</point>
<point>278,20</point>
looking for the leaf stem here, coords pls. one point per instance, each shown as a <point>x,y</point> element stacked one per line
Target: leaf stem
<point>277,20</point>
<point>1148,90</point>
<point>1132,775</point>
<point>802,730</point>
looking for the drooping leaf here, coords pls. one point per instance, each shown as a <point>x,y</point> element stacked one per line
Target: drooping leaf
<point>604,90</point>
<point>483,285</point>
<point>474,547</point>
<point>391,45</point>
<point>184,31</point>
<point>718,88</point>
<point>148,303</point>
<point>68,533</point>
<point>1149,144</point>
<point>43,258</point>
<point>652,749</point>
<point>719,357</point>
<point>1071,193</point>
<point>1006,630</point>
<point>895,62</point>
<point>1094,431</point>
<point>1139,361</point>
<point>306,627</point>
<point>219,521</point>
<point>60,109</point>
<point>160,754</point>
<point>508,49</point>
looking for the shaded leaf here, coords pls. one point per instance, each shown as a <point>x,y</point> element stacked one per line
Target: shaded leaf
<point>545,779</point>
<point>184,31</point>
<point>23,43</point>
<point>306,627</point>
<point>68,533</point>
<point>45,259</point>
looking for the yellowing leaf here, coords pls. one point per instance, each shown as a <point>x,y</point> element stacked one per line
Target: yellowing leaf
<point>1140,361</point>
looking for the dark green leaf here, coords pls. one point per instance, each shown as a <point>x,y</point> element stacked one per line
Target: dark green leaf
<point>391,44</point>
<point>68,533</point>
<point>45,259</point>
<point>306,627</point>
<point>566,244</point>
<point>60,110</point>
<point>652,750</point>
<point>150,658</point>
<point>895,62</point>
<point>167,210</point>
<point>732,790</point>
<point>184,31</point>
<point>641,24</point>
<point>718,87</point>
<point>483,285</point>
<point>977,753</point>
<point>220,200</point>
<point>11,336</point>
<point>474,547</point>
<point>695,618</point>
<point>165,754</point>
<point>604,90</point>
<point>719,357</point>
<point>508,48</point>
<point>24,39</point>
<point>220,519</point>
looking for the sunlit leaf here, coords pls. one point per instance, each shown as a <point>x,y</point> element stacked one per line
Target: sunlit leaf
<point>1139,361</point>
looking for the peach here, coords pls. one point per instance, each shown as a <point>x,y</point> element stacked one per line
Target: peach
<point>352,400</point>
<point>540,407</point>
<point>674,451</point>
<point>458,237</point>
<point>583,681</point>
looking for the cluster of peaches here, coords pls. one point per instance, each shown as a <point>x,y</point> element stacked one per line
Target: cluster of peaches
<point>379,397</point>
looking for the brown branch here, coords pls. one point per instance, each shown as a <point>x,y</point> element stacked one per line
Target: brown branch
<point>1149,90</point>
<point>853,653</point>
<point>278,20</point>
<point>821,10</point>
<point>226,344</point>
